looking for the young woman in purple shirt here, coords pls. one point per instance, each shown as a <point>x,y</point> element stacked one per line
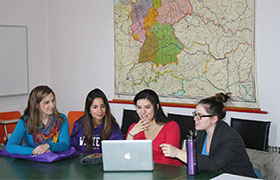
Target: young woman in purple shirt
<point>95,125</point>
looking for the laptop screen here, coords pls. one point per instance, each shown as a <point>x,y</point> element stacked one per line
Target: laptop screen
<point>127,155</point>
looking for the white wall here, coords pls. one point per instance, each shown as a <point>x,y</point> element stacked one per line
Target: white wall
<point>31,13</point>
<point>81,54</point>
<point>81,50</point>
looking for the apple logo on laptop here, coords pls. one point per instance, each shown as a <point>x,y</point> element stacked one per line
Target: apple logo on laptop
<point>127,155</point>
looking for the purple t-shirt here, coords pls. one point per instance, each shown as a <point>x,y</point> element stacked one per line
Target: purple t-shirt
<point>77,137</point>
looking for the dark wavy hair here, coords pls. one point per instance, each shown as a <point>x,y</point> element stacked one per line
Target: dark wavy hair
<point>215,104</point>
<point>108,120</point>
<point>152,96</point>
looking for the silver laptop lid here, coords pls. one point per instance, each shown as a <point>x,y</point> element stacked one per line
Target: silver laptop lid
<point>127,155</point>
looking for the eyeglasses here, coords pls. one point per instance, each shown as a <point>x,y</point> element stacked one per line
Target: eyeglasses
<point>201,116</point>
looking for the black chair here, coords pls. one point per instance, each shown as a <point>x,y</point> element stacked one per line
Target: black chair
<point>185,122</point>
<point>255,134</point>
<point>129,117</point>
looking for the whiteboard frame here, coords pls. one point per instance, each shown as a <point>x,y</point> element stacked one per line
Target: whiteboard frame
<point>15,83</point>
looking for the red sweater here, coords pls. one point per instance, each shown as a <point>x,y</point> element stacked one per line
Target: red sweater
<point>170,134</point>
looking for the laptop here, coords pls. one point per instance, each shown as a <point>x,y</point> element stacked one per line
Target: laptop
<point>127,155</point>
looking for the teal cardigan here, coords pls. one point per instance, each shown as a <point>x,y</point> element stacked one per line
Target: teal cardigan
<point>20,132</point>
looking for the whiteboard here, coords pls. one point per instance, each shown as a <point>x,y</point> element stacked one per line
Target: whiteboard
<point>13,61</point>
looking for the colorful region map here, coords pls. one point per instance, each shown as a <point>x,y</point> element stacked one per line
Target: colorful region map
<point>186,50</point>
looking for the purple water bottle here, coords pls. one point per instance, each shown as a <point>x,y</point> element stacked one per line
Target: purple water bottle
<point>191,154</point>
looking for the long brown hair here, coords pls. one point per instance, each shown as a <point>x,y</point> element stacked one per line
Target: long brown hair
<point>32,113</point>
<point>108,120</point>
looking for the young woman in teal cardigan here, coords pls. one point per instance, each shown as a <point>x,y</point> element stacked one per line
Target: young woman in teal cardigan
<point>41,128</point>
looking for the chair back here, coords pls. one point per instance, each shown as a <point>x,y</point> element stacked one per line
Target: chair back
<point>185,122</point>
<point>72,117</point>
<point>10,127</point>
<point>255,134</point>
<point>128,118</point>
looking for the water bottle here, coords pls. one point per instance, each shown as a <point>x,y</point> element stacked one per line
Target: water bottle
<point>191,154</point>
